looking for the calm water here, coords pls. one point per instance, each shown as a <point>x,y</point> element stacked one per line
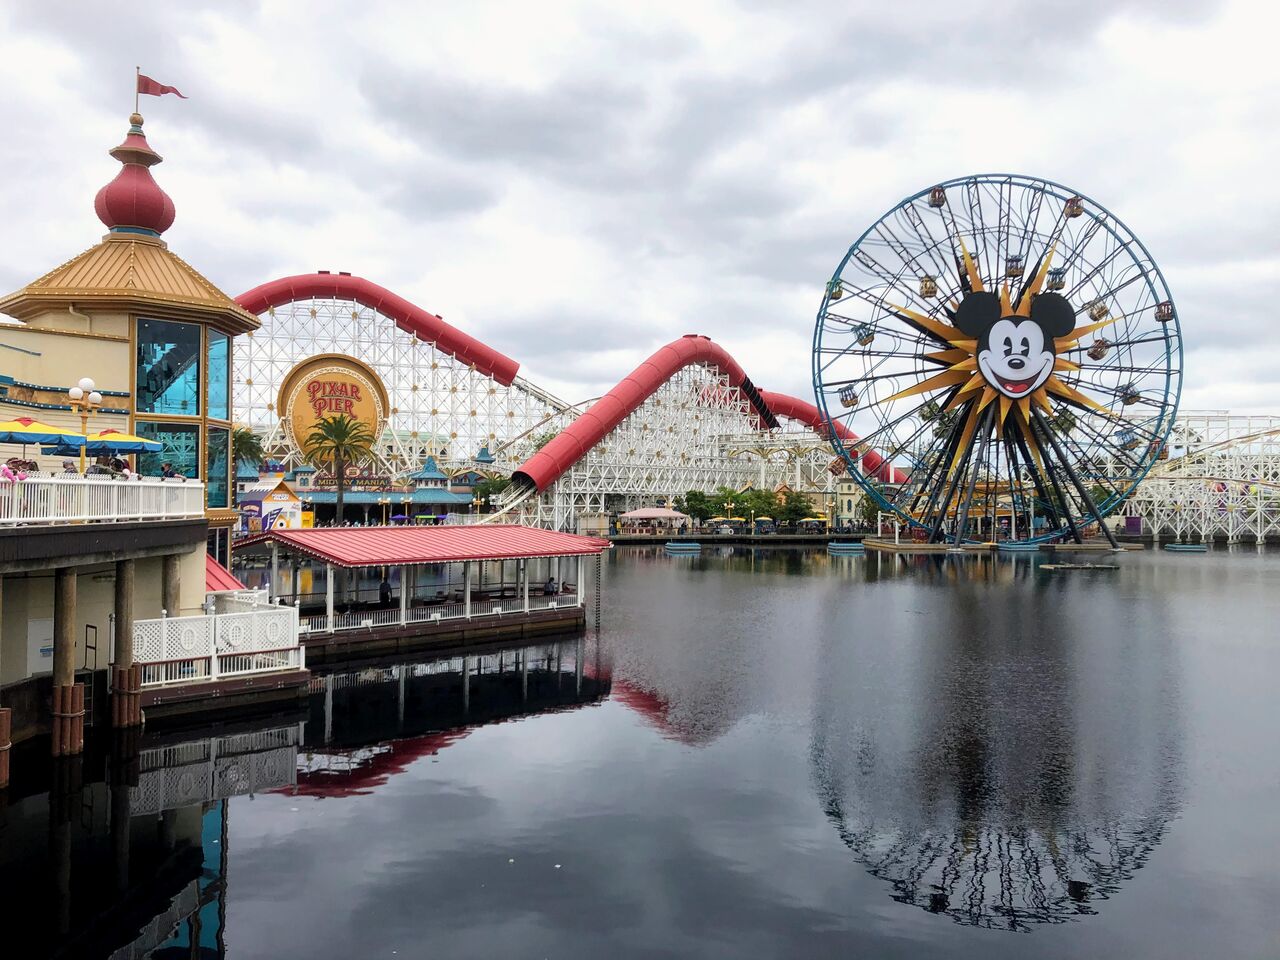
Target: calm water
<point>770,754</point>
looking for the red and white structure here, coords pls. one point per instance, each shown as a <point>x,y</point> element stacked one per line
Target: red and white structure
<point>688,418</point>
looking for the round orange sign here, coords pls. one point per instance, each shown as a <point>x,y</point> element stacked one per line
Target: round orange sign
<point>330,385</point>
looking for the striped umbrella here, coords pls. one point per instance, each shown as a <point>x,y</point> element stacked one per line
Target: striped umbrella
<point>111,441</point>
<point>25,430</point>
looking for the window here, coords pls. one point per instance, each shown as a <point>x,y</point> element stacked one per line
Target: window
<point>219,368</point>
<point>168,368</point>
<point>216,459</point>
<point>180,447</point>
<point>218,546</point>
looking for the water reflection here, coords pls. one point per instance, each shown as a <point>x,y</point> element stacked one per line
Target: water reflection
<point>1016,773</point>
<point>367,725</point>
<point>124,852</point>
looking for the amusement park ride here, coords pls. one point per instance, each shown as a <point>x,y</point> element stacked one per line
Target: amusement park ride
<point>997,357</point>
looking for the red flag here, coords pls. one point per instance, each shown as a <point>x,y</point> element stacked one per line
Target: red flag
<point>152,88</point>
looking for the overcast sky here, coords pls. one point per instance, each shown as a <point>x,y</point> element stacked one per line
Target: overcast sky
<point>578,183</point>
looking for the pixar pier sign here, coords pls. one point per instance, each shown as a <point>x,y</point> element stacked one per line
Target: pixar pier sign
<point>330,397</point>
<point>330,385</point>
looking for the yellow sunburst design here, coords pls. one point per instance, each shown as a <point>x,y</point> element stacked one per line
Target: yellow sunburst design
<point>960,355</point>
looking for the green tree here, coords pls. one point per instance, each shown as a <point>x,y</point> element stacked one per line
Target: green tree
<point>542,439</point>
<point>697,505</point>
<point>942,420</point>
<point>793,508</point>
<point>246,446</point>
<point>869,512</point>
<point>1063,422</point>
<point>337,441</point>
<point>488,488</point>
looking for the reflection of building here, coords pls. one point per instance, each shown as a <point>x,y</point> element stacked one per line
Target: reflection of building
<point>368,725</point>
<point>125,856</point>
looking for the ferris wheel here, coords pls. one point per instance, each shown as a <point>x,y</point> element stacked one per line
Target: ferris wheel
<point>1011,348</point>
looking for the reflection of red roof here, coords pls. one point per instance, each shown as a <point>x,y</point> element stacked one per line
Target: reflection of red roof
<point>217,577</point>
<point>389,546</point>
<point>379,768</point>
<point>657,712</point>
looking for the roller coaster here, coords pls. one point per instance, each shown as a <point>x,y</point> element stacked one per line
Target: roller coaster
<point>687,418</point>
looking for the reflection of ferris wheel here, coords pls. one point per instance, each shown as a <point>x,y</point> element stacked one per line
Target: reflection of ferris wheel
<point>1011,343</point>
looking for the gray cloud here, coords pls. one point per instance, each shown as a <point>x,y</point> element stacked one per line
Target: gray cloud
<point>714,172</point>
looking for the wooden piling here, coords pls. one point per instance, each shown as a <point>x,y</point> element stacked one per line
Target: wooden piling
<point>5,744</point>
<point>67,738</point>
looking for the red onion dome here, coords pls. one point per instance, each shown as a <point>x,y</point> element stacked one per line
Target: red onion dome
<point>133,202</point>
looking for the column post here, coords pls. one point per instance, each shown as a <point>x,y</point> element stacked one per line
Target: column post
<point>466,588</point>
<point>126,681</point>
<point>404,593</point>
<point>64,626</point>
<point>68,696</point>
<point>578,584</point>
<point>4,720</point>
<point>123,652</point>
<point>328,595</point>
<point>275,573</point>
<point>171,585</point>
<point>524,584</point>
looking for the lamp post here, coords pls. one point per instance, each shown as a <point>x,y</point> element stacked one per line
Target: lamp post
<point>84,399</point>
<point>385,501</point>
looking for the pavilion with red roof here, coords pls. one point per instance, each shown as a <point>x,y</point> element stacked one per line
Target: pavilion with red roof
<point>446,576</point>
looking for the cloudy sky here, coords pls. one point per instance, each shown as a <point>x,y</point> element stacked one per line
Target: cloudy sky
<point>578,183</point>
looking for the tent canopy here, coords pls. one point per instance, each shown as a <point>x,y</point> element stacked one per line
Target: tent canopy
<point>655,513</point>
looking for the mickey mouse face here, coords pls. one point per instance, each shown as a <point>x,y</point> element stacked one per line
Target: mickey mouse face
<point>1015,353</point>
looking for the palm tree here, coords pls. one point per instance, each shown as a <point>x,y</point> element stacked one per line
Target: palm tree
<point>338,441</point>
<point>246,446</point>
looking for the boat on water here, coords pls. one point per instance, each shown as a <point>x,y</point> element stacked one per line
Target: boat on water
<point>683,546</point>
<point>845,549</point>
<point>1187,547</point>
<point>1015,547</point>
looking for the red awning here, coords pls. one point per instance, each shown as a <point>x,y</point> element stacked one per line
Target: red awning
<point>391,546</point>
<point>217,577</point>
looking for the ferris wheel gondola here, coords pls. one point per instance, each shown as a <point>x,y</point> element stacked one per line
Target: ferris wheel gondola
<point>1014,343</point>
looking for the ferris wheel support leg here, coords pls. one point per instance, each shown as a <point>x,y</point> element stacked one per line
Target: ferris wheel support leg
<point>962,524</point>
<point>951,486</point>
<point>1075,478</point>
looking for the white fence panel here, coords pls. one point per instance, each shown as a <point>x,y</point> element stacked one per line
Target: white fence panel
<point>73,498</point>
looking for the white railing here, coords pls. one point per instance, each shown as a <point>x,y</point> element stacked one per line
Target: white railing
<point>177,650</point>
<point>73,498</point>
<point>370,619</point>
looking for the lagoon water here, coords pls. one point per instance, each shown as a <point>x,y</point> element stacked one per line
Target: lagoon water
<point>764,753</point>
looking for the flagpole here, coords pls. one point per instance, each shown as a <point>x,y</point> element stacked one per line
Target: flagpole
<point>137,78</point>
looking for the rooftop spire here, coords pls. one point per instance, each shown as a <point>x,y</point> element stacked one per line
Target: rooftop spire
<point>133,202</point>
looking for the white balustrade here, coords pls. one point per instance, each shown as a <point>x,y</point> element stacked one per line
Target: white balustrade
<point>179,650</point>
<point>72,498</point>
<point>432,613</point>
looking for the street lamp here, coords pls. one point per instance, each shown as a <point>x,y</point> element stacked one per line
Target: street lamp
<point>84,399</point>
<point>384,501</point>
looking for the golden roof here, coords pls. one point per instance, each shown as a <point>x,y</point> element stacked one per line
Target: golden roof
<point>133,272</point>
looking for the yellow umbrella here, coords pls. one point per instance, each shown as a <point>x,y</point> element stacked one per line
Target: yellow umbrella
<point>116,441</point>
<point>26,430</point>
